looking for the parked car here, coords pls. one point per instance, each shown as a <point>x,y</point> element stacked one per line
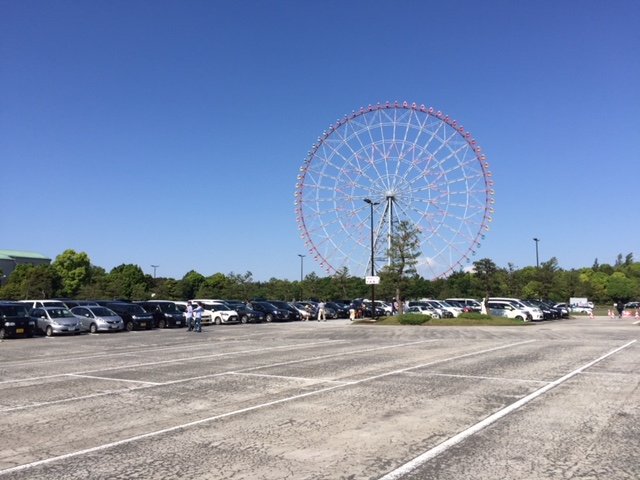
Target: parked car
<point>294,314</point>
<point>535,312</point>
<point>304,310</point>
<point>133,316</point>
<point>43,303</point>
<point>248,315</point>
<point>221,313</point>
<point>503,308</point>
<point>15,320</point>
<point>78,303</point>
<point>423,310</point>
<point>271,312</point>
<point>55,320</point>
<point>467,304</point>
<point>97,318</point>
<point>564,309</point>
<point>342,311</point>
<point>165,313</point>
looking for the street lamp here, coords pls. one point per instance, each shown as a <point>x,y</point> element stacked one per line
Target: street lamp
<point>301,272</point>
<point>154,270</point>
<point>537,261</point>
<point>373,272</point>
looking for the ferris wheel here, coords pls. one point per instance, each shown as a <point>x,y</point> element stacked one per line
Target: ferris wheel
<point>394,162</point>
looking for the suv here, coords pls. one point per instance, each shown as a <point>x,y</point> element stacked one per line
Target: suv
<point>165,313</point>
<point>294,314</point>
<point>14,320</point>
<point>133,316</point>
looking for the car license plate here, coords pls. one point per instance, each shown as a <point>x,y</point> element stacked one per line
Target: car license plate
<point>178,322</point>
<point>19,330</point>
<point>143,324</point>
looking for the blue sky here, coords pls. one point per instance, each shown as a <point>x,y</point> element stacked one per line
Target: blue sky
<point>171,132</point>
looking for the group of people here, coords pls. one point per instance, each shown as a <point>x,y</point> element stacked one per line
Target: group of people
<point>194,317</point>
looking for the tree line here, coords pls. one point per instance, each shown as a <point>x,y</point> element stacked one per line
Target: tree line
<point>71,275</point>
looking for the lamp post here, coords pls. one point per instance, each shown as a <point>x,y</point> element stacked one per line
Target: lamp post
<point>537,261</point>
<point>154,270</point>
<point>301,272</point>
<point>373,272</point>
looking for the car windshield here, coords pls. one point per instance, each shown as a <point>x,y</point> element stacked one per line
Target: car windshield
<point>134,309</point>
<point>168,307</point>
<point>102,312</point>
<point>60,313</point>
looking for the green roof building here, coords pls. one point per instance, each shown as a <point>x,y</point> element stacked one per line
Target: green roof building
<point>10,259</point>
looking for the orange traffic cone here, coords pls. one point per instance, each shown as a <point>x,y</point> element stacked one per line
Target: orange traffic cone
<point>591,314</point>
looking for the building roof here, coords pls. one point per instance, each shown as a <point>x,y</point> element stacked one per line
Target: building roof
<point>11,254</point>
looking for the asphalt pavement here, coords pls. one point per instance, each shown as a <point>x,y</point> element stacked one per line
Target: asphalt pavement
<point>326,400</point>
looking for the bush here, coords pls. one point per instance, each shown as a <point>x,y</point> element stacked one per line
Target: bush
<point>413,319</point>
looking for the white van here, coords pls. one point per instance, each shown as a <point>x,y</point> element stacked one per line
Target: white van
<point>468,304</point>
<point>535,312</point>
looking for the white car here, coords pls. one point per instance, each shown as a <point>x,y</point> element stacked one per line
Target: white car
<point>216,312</point>
<point>424,310</point>
<point>535,312</point>
<point>501,308</point>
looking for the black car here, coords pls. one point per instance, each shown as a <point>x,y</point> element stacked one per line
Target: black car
<point>342,311</point>
<point>165,313</point>
<point>248,315</point>
<point>133,315</point>
<point>294,314</point>
<point>15,320</point>
<point>271,312</point>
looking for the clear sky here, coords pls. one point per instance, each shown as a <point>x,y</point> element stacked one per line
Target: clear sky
<point>170,133</point>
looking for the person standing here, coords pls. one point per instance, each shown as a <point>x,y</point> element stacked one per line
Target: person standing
<point>620,308</point>
<point>189,316</point>
<point>321,313</point>
<point>198,320</point>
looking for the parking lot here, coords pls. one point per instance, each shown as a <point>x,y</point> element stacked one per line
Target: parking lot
<point>329,400</point>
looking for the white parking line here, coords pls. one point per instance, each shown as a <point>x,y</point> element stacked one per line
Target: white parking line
<point>444,446</point>
<point>480,377</point>
<point>286,377</point>
<point>245,410</point>
<point>112,379</point>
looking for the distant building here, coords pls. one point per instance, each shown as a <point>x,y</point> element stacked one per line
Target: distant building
<point>10,259</point>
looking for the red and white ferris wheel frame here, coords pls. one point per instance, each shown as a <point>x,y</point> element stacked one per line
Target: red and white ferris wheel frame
<point>485,191</point>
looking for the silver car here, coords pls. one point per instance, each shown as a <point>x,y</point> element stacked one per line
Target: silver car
<point>52,320</point>
<point>98,319</point>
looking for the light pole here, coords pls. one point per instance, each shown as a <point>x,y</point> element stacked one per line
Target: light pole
<point>301,272</point>
<point>373,272</point>
<point>154,270</point>
<point>537,261</point>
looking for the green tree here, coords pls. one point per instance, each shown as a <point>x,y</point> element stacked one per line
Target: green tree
<point>487,273</point>
<point>619,287</point>
<point>128,281</point>
<point>74,270</point>
<point>31,281</point>
<point>403,256</point>
<point>190,283</point>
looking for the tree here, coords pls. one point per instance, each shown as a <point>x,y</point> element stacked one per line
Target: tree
<point>403,257</point>
<point>31,281</point>
<point>619,287</point>
<point>128,281</point>
<point>486,271</point>
<point>74,270</point>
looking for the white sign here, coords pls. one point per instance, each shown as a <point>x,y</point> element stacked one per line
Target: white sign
<point>372,280</point>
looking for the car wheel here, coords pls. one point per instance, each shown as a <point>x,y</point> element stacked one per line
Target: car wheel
<point>162,324</point>
<point>129,326</point>
<point>49,331</point>
<point>519,318</point>
<point>3,333</point>
<point>93,328</point>
<point>268,318</point>
<point>244,319</point>
<point>218,321</point>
